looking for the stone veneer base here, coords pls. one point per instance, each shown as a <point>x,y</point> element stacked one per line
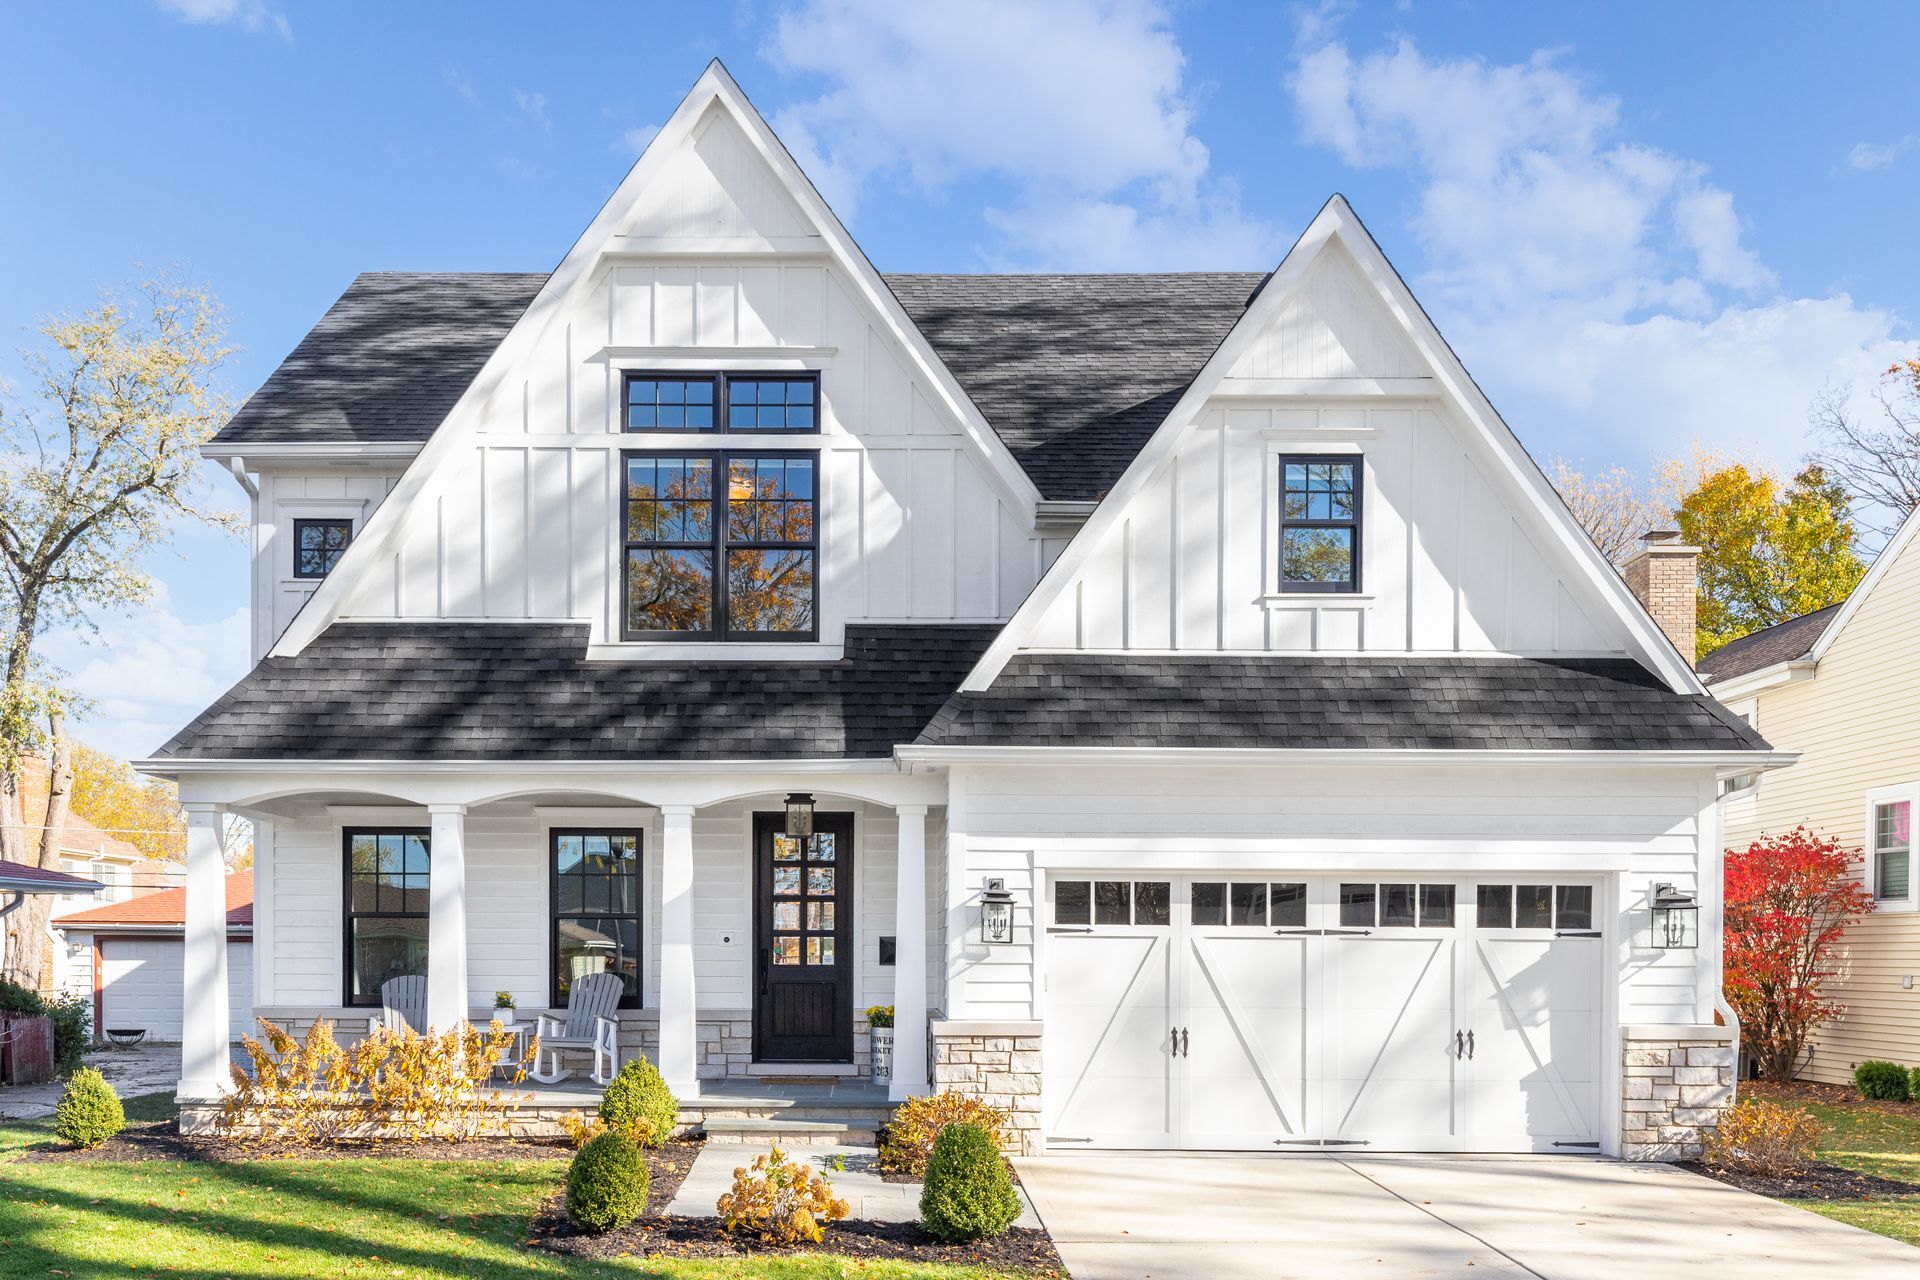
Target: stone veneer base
<point>1675,1084</point>
<point>998,1063</point>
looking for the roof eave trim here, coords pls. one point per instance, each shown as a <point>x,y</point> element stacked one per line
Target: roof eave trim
<point>1734,761</point>
<point>167,766</point>
<point>48,888</point>
<point>1791,671</point>
<point>311,451</point>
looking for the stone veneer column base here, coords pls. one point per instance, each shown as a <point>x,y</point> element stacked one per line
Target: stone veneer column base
<point>1676,1083</point>
<point>996,1062</point>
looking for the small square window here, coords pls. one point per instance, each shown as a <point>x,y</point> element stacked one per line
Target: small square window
<point>318,546</point>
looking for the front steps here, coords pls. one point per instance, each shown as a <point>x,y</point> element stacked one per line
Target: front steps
<point>841,1113</point>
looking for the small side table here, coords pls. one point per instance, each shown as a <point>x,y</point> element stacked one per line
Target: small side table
<point>510,1061</point>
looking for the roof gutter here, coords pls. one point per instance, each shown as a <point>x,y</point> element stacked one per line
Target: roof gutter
<point>166,767</point>
<point>1731,762</point>
<point>1752,682</point>
<point>330,451</point>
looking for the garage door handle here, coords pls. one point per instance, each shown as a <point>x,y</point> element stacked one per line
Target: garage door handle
<point>1459,1045</point>
<point>1469,1046</point>
<point>1173,1042</point>
<point>1183,1042</point>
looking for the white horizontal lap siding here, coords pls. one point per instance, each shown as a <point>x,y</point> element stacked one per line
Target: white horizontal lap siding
<point>509,932</point>
<point>1575,821</point>
<point>876,875</point>
<point>307,889</point>
<point>1856,725</point>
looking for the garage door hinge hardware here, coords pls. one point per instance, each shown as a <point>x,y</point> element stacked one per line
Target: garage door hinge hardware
<point>1593,1145</point>
<point>1322,1142</point>
<point>1325,933</point>
<point>1085,928</point>
<point>1576,933</point>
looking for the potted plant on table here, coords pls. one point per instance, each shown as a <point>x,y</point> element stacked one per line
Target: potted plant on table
<point>880,1041</point>
<point>503,1007</point>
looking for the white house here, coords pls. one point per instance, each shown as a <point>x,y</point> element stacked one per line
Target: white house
<point>1211,627</point>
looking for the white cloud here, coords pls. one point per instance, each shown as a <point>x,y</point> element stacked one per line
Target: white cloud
<point>1867,156</point>
<point>148,672</point>
<point>533,106</point>
<point>1602,288</point>
<point>1080,108</point>
<point>250,15</point>
<point>633,141</point>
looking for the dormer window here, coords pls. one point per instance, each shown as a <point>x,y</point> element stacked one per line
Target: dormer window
<point>1320,523</point>
<point>318,546</point>
<point>720,546</point>
<point>740,401</point>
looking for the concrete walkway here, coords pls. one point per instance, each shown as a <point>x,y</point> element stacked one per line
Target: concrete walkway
<point>856,1181</point>
<point>1223,1217</point>
<point>147,1068</point>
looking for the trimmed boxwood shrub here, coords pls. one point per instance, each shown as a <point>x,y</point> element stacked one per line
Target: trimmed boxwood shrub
<point>1913,1084</point>
<point>607,1183</point>
<point>968,1194</point>
<point>639,1103</point>
<point>1881,1081</point>
<point>89,1111</point>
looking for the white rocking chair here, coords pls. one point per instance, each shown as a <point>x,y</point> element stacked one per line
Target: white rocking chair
<point>403,1005</point>
<point>589,1028</point>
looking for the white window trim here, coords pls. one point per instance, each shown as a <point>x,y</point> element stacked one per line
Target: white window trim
<point>1910,792</point>
<point>1275,595</point>
<point>287,510</point>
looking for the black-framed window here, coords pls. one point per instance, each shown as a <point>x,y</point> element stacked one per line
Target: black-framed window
<point>720,546</point>
<point>596,909</point>
<point>1320,522</point>
<point>722,401</point>
<point>386,907</point>
<point>318,546</point>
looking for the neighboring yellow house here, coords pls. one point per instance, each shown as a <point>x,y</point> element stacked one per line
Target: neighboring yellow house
<point>1842,687</point>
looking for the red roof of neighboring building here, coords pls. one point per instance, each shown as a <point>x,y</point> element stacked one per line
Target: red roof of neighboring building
<point>24,877</point>
<point>166,908</point>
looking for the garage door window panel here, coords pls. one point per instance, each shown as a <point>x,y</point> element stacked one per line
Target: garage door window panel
<point>1534,906</point>
<point>1142,903</point>
<point>386,908</point>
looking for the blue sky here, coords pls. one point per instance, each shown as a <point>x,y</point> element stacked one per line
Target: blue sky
<point>1639,226</point>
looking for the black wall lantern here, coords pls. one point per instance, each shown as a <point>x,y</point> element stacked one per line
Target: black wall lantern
<point>996,913</point>
<point>1676,919</point>
<point>800,815</point>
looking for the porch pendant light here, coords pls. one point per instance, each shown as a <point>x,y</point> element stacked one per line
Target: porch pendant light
<point>1676,919</point>
<point>800,815</point>
<point>996,913</point>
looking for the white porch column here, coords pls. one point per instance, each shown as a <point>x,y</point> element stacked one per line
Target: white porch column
<point>679,1036</point>
<point>203,1024</point>
<point>447,917</point>
<point>910,955</point>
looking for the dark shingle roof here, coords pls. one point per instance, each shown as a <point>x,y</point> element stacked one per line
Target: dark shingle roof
<point>1239,701</point>
<point>1072,372</point>
<point>387,360</point>
<point>1781,642</point>
<point>502,691</point>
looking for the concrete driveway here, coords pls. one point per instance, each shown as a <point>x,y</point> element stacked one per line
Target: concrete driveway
<point>1222,1217</point>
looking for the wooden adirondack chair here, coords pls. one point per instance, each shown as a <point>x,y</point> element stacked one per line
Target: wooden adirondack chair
<point>589,1027</point>
<point>403,1004</point>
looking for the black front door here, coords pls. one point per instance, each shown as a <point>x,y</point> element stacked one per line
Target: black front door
<point>803,928</point>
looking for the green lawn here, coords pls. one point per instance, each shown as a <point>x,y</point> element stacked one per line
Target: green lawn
<point>1873,1139</point>
<point>361,1218</point>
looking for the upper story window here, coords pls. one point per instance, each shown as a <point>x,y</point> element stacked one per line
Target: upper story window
<point>318,546</point>
<point>720,546</point>
<point>735,402</point>
<point>1320,523</point>
<point>1890,846</point>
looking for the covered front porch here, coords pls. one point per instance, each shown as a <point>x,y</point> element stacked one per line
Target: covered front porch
<point>746,958</point>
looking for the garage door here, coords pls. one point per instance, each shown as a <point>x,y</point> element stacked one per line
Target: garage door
<point>141,986</point>
<point>1307,1012</point>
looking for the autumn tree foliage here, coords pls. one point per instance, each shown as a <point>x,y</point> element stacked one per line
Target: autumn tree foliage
<point>1789,898</point>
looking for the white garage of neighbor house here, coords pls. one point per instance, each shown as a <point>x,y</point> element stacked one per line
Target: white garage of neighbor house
<point>1215,731</point>
<point>130,955</point>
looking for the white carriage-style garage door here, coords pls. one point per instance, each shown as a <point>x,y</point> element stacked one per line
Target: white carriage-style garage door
<point>141,986</point>
<point>1309,1013</point>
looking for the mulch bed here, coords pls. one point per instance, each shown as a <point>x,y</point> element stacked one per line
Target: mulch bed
<point>1817,1182</point>
<point>657,1235</point>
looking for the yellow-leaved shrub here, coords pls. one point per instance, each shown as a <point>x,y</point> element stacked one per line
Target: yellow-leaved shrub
<point>392,1084</point>
<point>780,1200</point>
<point>581,1129</point>
<point>907,1140</point>
<point>1763,1137</point>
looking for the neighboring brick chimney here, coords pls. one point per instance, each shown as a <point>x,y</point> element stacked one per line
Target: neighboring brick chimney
<point>1662,574</point>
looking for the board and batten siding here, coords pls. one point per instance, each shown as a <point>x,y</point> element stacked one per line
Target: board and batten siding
<point>287,495</point>
<point>1447,566</point>
<point>509,927</point>
<point>1489,821</point>
<point>1856,725</point>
